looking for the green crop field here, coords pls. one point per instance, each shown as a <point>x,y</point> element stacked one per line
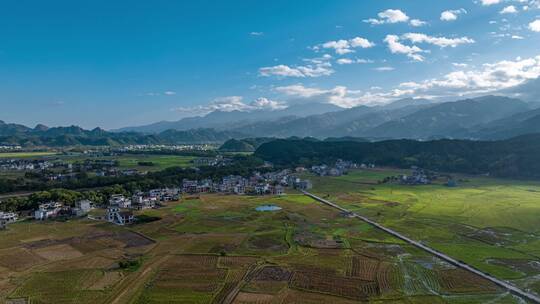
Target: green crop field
<point>159,162</point>
<point>491,224</point>
<point>26,154</point>
<point>220,249</point>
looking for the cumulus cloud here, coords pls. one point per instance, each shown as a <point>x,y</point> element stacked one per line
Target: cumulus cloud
<point>396,47</point>
<point>509,10</point>
<point>488,78</point>
<point>233,103</point>
<point>438,41</point>
<point>342,47</point>
<point>256,33</point>
<point>452,15</point>
<point>343,96</point>
<point>389,16</point>
<point>489,2</point>
<point>311,70</point>
<point>535,26</point>
<point>502,76</point>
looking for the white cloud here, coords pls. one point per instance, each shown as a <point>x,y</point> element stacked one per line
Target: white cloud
<point>509,10</point>
<point>342,47</point>
<point>256,33</point>
<point>233,103</point>
<point>396,47</point>
<point>389,16</point>
<point>489,78</point>
<point>535,26</point>
<point>517,37</point>
<point>342,96</point>
<point>460,65</point>
<point>384,69</point>
<point>490,2</point>
<point>417,22</point>
<point>316,70</point>
<point>167,93</point>
<point>343,61</point>
<point>438,41</point>
<point>452,15</point>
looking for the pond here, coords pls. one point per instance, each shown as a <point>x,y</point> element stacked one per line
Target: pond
<point>264,208</point>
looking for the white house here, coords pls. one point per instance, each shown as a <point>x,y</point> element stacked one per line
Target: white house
<point>118,217</point>
<point>47,211</point>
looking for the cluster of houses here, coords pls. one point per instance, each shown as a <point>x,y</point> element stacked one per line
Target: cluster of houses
<point>24,165</point>
<point>7,218</point>
<point>218,161</point>
<point>340,168</point>
<point>53,210</point>
<point>120,210</point>
<point>273,183</point>
<point>132,148</point>
<point>418,176</point>
<point>10,148</point>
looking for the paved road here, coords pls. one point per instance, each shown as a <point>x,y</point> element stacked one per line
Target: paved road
<point>513,289</point>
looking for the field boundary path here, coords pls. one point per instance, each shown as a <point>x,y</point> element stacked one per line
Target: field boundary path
<point>511,288</point>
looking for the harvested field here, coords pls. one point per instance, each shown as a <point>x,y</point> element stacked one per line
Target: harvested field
<point>273,273</point>
<point>19,259</point>
<point>364,268</point>
<point>58,252</point>
<point>334,285</point>
<point>461,281</point>
<point>185,279</point>
<point>236,261</point>
<point>253,298</point>
<point>301,297</point>
<point>61,287</point>
<point>132,239</point>
<point>108,279</point>
<point>388,278</point>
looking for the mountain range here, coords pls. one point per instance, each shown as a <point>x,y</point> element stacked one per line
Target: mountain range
<point>479,118</point>
<point>482,118</point>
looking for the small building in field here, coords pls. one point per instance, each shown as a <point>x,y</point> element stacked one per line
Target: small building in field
<point>8,217</point>
<point>116,216</point>
<point>48,211</point>
<point>82,208</point>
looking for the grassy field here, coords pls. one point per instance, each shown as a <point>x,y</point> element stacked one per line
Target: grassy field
<point>160,161</point>
<point>219,249</point>
<point>26,154</point>
<point>492,224</point>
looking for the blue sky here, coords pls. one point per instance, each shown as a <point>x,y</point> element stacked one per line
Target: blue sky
<point>119,63</point>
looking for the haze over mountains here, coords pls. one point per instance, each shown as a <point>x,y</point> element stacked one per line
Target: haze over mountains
<point>483,118</point>
<point>477,118</point>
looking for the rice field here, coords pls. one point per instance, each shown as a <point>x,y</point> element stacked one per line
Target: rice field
<point>220,249</point>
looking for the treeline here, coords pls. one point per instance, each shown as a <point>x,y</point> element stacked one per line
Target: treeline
<point>99,189</point>
<point>517,158</point>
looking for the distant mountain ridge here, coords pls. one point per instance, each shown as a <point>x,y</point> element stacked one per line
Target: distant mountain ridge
<point>234,119</point>
<point>483,118</point>
<point>15,134</point>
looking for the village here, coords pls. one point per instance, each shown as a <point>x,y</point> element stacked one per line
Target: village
<point>120,208</point>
